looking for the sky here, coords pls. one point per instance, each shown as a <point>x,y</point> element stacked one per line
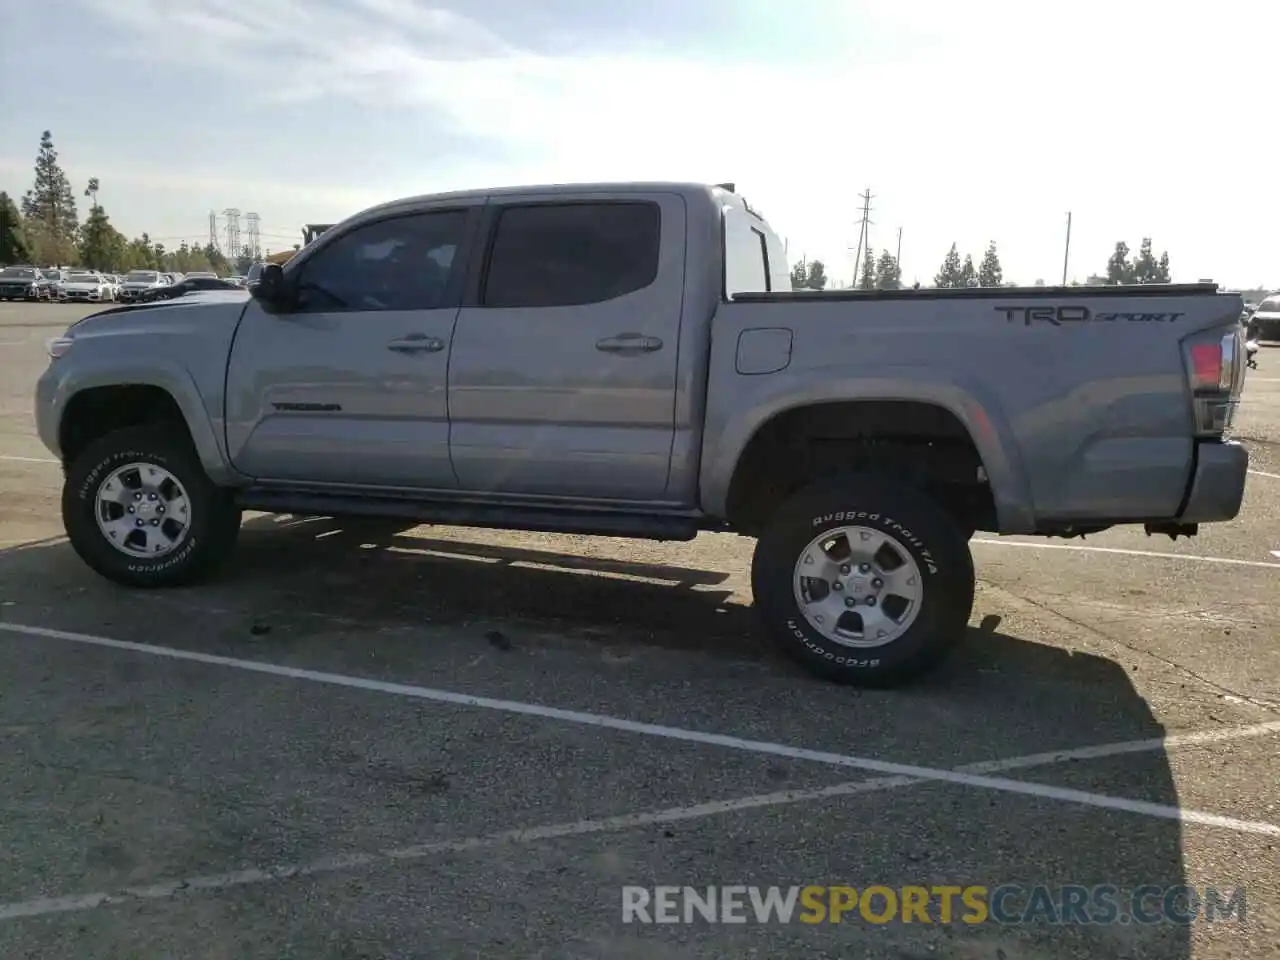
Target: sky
<point>969,122</point>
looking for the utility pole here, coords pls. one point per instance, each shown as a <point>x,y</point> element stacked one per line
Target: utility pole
<point>897,258</point>
<point>864,235</point>
<point>1066,253</point>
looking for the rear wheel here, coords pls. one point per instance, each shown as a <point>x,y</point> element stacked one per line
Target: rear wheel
<point>863,581</point>
<point>140,510</point>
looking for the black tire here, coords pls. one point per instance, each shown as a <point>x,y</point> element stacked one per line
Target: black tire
<point>215,520</point>
<point>934,541</point>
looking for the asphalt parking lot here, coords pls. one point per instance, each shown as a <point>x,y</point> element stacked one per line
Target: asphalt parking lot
<point>372,741</point>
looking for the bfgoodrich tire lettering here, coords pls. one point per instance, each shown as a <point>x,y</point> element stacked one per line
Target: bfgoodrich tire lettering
<point>936,547</point>
<point>214,522</point>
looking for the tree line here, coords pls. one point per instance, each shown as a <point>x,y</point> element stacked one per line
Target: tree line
<point>47,231</point>
<point>885,273</point>
<point>880,273</point>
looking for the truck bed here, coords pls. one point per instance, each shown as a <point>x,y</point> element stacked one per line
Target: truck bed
<point>1077,398</point>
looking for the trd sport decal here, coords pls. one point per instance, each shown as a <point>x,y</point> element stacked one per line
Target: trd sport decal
<point>309,407</point>
<point>1057,316</point>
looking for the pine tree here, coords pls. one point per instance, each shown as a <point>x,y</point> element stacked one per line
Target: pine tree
<point>49,207</point>
<point>990,273</point>
<point>1144,265</point>
<point>101,244</point>
<point>888,273</point>
<point>799,276</point>
<point>1119,269</point>
<point>949,275</point>
<point>218,263</point>
<point>1162,269</point>
<point>968,275</point>
<point>817,276</point>
<point>13,240</point>
<point>867,280</point>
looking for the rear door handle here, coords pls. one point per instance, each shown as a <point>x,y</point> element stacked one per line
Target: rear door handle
<point>629,344</point>
<point>416,343</point>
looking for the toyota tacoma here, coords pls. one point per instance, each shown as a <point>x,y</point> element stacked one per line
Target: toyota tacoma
<point>629,360</point>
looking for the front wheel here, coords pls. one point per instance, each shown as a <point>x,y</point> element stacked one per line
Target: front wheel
<point>863,581</point>
<point>140,510</point>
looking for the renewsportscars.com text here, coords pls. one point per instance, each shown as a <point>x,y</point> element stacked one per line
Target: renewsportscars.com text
<point>1007,904</point>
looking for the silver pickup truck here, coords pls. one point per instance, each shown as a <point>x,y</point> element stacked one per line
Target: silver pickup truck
<point>629,360</point>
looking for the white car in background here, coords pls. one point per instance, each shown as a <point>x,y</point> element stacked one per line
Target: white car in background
<point>85,288</point>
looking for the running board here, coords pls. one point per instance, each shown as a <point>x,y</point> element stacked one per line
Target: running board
<point>600,523</point>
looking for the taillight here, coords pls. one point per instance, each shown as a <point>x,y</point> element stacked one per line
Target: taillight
<point>1215,376</point>
<point>1206,366</point>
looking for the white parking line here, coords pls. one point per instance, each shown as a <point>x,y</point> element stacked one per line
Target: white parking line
<point>164,890</point>
<point>1263,473</point>
<point>961,778</point>
<point>1231,561</point>
<point>13,459</point>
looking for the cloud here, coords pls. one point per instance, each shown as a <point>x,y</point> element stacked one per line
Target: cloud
<point>987,119</point>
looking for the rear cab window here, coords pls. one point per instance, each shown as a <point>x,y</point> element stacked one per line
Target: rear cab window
<point>755,260</point>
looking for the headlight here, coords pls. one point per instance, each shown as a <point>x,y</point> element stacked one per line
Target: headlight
<point>58,347</point>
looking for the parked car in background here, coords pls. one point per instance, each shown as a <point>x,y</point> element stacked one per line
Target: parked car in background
<point>1264,324</point>
<point>188,284</point>
<point>236,279</point>
<point>206,274</point>
<point>85,288</point>
<point>23,283</point>
<point>137,282</point>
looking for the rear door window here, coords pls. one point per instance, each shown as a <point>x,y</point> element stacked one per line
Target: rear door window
<point>570,254</point>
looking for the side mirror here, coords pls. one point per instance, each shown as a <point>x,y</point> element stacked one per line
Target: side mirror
<point>270,287</point>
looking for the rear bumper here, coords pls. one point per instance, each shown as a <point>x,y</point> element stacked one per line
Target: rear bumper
<point>1217,488</point>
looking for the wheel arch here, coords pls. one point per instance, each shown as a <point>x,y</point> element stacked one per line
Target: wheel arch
<point>100,400</point>
<point>966,414</point>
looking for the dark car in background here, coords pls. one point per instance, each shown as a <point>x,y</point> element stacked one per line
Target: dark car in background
<point>24,283</point>
<point>188,284</point>
<point>1264,324</point>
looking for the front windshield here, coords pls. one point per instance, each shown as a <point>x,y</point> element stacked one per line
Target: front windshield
<point>84,278</point>
<point>17,273</point>
<point>141,276</point>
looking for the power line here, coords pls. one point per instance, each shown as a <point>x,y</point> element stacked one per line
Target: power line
<point>254,249</point>
<point>233,232</point>
<point>864,235</point>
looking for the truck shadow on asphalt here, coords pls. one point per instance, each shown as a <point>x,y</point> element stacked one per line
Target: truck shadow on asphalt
<point>999,696</point>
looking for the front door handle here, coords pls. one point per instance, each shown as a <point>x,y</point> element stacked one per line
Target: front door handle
<point>416,343</point>
<point>629,344</point>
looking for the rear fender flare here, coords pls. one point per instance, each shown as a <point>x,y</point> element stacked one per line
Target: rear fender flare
<point>974,406</point>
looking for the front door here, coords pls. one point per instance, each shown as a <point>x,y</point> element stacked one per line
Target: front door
<point>349,386</point>
<point>562,378</point>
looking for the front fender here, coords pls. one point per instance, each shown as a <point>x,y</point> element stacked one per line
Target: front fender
<point>735,418</point>
<point>61,382</point>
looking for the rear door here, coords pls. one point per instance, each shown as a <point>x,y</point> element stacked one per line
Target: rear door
<point>563,372</point>
<point>349,388</point>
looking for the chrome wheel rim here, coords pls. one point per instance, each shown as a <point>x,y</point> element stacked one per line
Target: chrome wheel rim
<point>858,586</point>
<point>143,510</point>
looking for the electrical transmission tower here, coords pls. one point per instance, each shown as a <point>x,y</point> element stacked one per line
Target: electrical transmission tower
<point>254,246</point>
<point>213,230</point>
<point>864,236</point>
<point>233,232</point>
